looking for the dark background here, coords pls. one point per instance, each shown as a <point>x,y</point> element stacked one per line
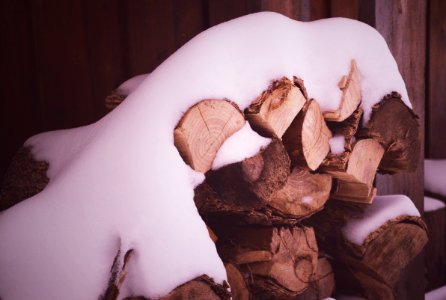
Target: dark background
<point>59,59</point>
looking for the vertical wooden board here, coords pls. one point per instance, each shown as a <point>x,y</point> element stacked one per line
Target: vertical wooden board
<point>190,19</point>
<point>289,8</point>
<point>103,20</point>
<point>19,105</point>
<point>223,10</point>
<point>436,105</point>
<point>62,70</point>
<point>344,8</point>
<point>150,34</point>
<point>435,248</point>
<point>403,25</point>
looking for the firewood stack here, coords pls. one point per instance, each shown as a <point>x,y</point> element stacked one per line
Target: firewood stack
<point>279,215</point>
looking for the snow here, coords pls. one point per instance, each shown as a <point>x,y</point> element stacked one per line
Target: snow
<point>383,209</point>
<point>337,144</point>
<point>431,204</point>
<point>307,199</point>
<point>435,176</point>
<point>242,144</point>
<point>128,86</point>
<point>437,294</point>
<point>120,183</point>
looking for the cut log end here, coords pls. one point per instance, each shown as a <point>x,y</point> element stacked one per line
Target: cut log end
<point>203,129</point>
<point>272,113</point>
<point>396,128</point>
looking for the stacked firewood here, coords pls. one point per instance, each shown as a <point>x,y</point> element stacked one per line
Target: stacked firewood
<point>277,217</point>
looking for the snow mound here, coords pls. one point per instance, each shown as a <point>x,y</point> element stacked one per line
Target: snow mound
<point>431,204</point>
<point>434,176</point>
<point>383,209</point>
<point>437,294</point>
<point>120,184</point>
<point>128,86</point>
<point>337,144</point>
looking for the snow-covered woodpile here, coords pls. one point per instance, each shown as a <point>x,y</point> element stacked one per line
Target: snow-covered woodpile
<point>283,176</point>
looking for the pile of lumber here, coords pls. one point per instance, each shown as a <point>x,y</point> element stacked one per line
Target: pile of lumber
<point>277,217</point>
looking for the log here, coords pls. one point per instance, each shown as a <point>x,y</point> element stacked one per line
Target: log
<point>395,126</point>
<point>323,284</point>
<point>289,268</point>
<point>24,178</point>
<point>239,288</point>
<point>306,140</point>
<point>114,99</point>
<point>351,96</point>
<point>356,171</point>
<point>347,129</point>
<point>261,190</point>
<point>203,129</point>
<point>272,113</point>
<point>435,260</point>
<point>376,262</point>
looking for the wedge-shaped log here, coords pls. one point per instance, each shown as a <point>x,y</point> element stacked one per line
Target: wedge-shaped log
<point>323,284</point>
<point>261,190</point>
<point>306,140</point>
<point>288,269</point>
<point>355,172</point>
<point>239,287</point>
<point>347,129</point>
<point>395,126</point>
<point>351,95</point>
<point>376,245</point>
<point>272,113</point>
<point>203,129</point>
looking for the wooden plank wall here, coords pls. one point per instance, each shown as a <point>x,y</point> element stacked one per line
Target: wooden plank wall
<point>61,58</point>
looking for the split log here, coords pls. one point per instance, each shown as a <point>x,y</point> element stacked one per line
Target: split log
<point>323,284</point>
<point>203,129</point>
<point>347,129</point>
<point>272,113</point>
<point>306,140</point>
<point>261,190</point>
<point>395,126</point>
<point>351,95</point>
<point>355,172</point>
<point>376,263</point>
<point>435,260</point>
<point>24,178</point>
<point>285,272</point>
<point>239,288</point>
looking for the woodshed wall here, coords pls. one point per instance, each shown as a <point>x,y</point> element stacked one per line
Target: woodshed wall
<point>61,58</point>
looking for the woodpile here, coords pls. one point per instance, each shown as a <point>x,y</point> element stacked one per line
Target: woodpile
<point>277,217</point>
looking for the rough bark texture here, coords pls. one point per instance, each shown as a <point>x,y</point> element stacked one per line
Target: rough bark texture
<point>24,178</point>
<point>272,113</point>
<point>377,263</point>
<point>323,284</point>
<point>401,144</point>
<point>285,272</point>
<point>306,140</point>
<point>435,250</point>
<point>203,129</point>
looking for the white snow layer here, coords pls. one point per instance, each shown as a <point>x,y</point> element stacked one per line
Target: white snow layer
<point>383,209</point>
<point>120,183</point>
<point>435,176</point>
<point>431,204</point>
<point>128,86</point>
<point>437,294</point>
<point>242,144</point>
<point>337,144</point>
